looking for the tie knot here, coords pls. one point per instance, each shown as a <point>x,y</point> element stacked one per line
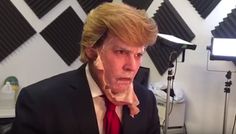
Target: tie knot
<point>110,106</point>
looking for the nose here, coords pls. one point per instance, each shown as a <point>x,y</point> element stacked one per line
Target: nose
<point>131,63</point>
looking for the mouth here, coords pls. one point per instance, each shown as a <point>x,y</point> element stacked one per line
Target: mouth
<point>124,80</point>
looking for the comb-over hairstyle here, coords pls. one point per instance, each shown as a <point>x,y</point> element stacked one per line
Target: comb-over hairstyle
<point>127,23</point>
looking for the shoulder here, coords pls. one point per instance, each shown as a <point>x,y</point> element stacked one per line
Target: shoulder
<point>144,95</point>
<point>141,90</point>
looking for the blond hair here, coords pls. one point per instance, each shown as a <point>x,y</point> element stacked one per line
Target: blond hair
<point>125,22</point>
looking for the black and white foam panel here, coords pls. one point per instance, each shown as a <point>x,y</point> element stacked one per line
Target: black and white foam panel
<point>14,29</point>
<point>140,4</point>
<point>226,28</point>
<point>64,34</point>
<point>169,22</point>
<point>204,7</point>
<point>160,55</point>
<point>88,5</point>
<point>41,7</point>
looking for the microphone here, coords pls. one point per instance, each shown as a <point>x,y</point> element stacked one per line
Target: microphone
<point>174,41</point>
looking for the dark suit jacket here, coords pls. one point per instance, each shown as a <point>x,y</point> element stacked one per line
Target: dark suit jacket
<point>63,105</point>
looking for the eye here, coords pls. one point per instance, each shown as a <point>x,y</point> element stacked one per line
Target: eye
<point>120,52</point>
<point>139,55</point>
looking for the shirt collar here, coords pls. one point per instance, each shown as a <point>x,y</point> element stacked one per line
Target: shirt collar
<point>95,90</point>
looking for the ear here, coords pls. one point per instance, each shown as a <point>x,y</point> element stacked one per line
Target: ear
<point>91,53</point>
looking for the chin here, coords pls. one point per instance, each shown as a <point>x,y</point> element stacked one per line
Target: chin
<point>120,89</point>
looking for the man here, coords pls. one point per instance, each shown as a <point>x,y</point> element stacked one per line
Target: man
<point>113,41</point>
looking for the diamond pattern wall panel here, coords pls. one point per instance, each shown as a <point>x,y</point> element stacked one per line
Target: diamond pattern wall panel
<point>226,28</point>
<point>88,5</point>
<point>160,54</point>
<point>14,29</point>
<point>204,7</point>
<point>169,22</point>
<point>64,34</point>
<point>41,7</point>
<point>140,4</point>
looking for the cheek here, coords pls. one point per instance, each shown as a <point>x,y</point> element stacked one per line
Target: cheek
<point>111,63</point>
<point>112,67</point>
<point>110,75</point>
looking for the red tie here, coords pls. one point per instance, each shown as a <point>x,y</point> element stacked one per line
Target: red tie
<point>111,121</point>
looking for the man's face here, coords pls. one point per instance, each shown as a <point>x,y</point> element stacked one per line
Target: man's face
<point>121,62</point>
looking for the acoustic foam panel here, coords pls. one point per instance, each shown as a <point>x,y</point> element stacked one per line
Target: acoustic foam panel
<point>161,54</point>
<point>204,7</point>
<point>64,34</point>
<point>41,7</point>
<point>88,5</point>
<point>169,22</point>
<point>140,4</point>
<point>226,28</point>
<point>14,29</point>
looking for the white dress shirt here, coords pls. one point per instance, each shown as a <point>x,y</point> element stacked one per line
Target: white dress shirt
<point>98,101</point>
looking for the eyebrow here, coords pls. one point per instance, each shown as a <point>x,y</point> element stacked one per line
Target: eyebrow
<point>127,50</point>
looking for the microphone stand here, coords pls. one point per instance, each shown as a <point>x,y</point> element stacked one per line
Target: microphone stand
<point>169,79</point>
<point>228,83</point>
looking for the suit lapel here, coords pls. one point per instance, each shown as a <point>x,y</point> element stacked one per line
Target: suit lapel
<point>83,104</point>
<point>132,125</point>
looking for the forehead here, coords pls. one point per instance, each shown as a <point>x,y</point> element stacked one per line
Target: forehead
<point>113,42</point>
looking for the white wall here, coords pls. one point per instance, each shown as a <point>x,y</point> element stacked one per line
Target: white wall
<point>202,80</point>
<point>36,60</point>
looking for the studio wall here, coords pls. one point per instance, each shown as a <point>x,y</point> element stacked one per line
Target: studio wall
<point>202,80</point>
